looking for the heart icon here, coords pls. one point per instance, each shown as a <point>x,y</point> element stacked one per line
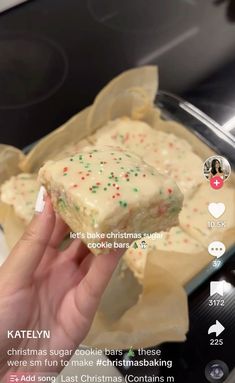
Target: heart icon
<point>216,209</point>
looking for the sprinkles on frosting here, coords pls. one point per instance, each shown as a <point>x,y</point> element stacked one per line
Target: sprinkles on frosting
<point>113,182</point>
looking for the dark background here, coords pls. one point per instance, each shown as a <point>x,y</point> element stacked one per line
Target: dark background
<point>55,55</point>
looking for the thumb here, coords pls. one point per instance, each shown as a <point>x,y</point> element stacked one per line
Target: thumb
<point>28,252</point>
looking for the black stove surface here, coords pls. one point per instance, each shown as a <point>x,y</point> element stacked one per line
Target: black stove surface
<point>55,55</point>
<point>35,66</point>
<point>215,96</point>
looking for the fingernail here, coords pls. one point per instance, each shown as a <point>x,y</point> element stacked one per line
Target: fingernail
<point>40,202</point>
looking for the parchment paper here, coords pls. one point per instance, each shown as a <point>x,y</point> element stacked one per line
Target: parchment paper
<point>160,314</point>
<point>10,158</point>
<point>130,314</point>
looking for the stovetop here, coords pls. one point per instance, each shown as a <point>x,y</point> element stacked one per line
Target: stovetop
<point>216,97</point>
<point>55,55</point>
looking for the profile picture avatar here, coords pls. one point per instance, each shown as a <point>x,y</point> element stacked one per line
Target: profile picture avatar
<point>217,166</point>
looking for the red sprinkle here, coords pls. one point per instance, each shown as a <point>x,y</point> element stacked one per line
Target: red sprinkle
<point>161,209</point>
<point>169,191</point>
<point>65,169</point>
<point>82,178</point>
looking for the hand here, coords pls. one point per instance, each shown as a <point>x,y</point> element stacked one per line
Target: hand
<point>43,288</point>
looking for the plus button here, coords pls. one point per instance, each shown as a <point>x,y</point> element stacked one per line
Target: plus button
<point>216,182</point>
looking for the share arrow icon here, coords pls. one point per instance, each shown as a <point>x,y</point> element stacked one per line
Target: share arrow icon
<point>216,328</point>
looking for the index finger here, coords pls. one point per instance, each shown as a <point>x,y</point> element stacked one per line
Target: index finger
<point>91,288</point>
<point>28,252</point>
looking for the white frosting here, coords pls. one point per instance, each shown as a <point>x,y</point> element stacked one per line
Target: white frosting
<point>21,191</point>
<point>166,152</point>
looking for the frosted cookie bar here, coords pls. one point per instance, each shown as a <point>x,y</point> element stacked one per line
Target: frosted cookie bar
<point>174,250</point>
<point>21,192</point>
<point>71,149</point>
<point>168,153</point>
<point>106,190</point>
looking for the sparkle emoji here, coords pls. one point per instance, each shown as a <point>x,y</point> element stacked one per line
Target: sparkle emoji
<point>143,245</point>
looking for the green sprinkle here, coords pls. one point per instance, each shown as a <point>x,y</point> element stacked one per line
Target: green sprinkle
<point>65,174</point>
<point>135,189</point>
<point>77,207</point>
<point>61,203</point>
<point>105,188</point>
<point>174,209</point>
<point>123,203</point>
<point>109,184</point>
